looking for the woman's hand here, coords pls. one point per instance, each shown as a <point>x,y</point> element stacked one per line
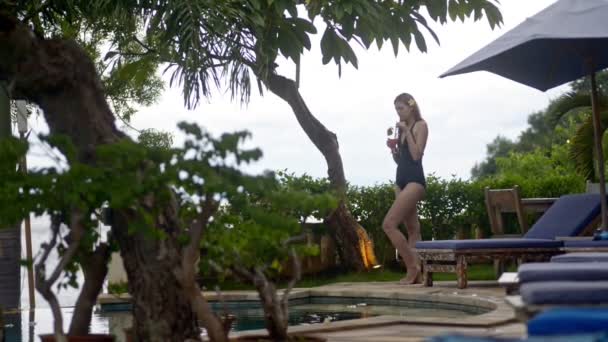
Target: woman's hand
<point>402,125</point>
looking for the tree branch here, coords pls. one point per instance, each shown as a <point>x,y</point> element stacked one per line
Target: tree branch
<point>44,285</point>
<point>297,270</point>
<point>148,49</point>
<point>187,274</point>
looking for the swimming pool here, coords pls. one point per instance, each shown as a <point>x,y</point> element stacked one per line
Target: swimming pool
<point>115,318</point>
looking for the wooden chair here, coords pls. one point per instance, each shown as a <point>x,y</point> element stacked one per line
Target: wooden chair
<point>499,201</point>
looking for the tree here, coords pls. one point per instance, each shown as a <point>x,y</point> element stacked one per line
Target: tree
<point>201,42</point>
<point>577,104</point>
<point>499,147</point>
<point>542,126</point>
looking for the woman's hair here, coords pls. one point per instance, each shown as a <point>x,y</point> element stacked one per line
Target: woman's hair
<point>408,99</point>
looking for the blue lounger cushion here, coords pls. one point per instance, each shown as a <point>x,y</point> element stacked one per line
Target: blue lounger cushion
<point>563,321</point>
<point>466,338</point>
<point>600,337</point>
<point>581,257</point>
<point>489,244</point>
<point>568,271</point>
<point>586,244</point>
<point>568,216</point>
<point>565,293</point>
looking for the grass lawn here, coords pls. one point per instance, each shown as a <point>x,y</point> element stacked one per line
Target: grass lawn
<point>475,272</point>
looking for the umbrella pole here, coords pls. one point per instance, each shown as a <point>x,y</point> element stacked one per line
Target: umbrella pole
<point>598,149</point>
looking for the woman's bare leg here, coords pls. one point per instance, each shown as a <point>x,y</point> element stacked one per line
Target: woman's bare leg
<point>412,223</point>
<point>404,209</point>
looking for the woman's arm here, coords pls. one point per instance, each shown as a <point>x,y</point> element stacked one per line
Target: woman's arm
<point>416,141</point>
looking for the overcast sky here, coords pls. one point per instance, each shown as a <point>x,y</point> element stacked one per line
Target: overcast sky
<point>463,112</point>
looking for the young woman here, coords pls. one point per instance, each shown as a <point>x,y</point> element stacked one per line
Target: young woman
<point>410,184</point>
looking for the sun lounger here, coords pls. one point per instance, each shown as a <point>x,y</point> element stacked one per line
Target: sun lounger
<point>537,297</point>
<point>570,215</point>
<point>579,266</point>
<point>581,257</point>
<point>587,268</point>
<point>567,321</point>
<point>567,292</point>
<point>600,337</point>
<point>585,246</point>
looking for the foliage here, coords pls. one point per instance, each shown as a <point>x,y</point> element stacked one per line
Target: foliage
<point>499,147</point>
<point>128,79</point>
<point>155,139</point>
<point>250,231</point>
<point>583,149</point>
<point>454,205</point>
<point>256,230</point>
<point>369,204</point>
<point>446,207</point>
<point>116,181</point>
<point>569,110</point>
<point>577,104</point>
<point>204,41</point>
<point>256,227</point>
<point>118,288</point>
<point>305,184</point>
<point>584,84</point>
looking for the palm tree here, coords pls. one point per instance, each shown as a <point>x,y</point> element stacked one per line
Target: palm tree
<point>578,102</point>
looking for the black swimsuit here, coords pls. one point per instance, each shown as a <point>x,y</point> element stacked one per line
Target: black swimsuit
<point>408,169</point>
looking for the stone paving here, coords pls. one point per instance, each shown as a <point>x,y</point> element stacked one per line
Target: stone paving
<point>498,321</point>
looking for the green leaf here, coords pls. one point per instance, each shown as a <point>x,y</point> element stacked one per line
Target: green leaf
<point>420,41</point>
<point>422,21</point>
<point>348,53</point>
<point>305,25</point>
<point>327,45</point>
<point>395,43</point>
<point>453,9</point>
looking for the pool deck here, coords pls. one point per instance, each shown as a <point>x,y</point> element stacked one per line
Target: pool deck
<point>500,321</point>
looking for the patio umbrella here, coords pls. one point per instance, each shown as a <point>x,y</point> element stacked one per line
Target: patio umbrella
<point>565,41</point>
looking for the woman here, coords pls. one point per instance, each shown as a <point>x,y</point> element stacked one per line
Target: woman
<point>410,184</point>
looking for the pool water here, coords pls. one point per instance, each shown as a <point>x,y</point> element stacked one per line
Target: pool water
<point>249,315</point>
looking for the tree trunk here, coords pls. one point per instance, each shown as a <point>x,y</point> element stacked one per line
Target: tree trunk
<point>161,306</point>
<point>277,321</point>
<point>95,269</point>
<point>341,223</point>
<point>60,77</point>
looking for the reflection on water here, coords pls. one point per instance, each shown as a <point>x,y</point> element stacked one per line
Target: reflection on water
<point>20,329</point>
<point>27,325</point>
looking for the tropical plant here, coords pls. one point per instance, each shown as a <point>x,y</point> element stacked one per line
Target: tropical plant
<point>582,151</point>
<point>369,205</point>
<point>250,238</point>
<point>254,237</point>
<point>574,104</point>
